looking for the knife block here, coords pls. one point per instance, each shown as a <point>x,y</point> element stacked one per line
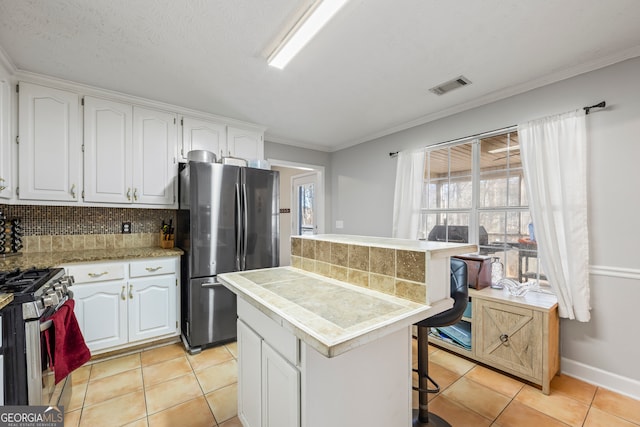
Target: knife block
<point>167,241</point>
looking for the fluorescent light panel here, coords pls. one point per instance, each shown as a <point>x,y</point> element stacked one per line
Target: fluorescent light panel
<point>304,30</point>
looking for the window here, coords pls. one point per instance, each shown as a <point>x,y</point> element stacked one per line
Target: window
<point>474,192</point>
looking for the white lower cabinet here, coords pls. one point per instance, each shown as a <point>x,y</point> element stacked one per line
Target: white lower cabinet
<point>285,382</point>
<point>268,381</point>
<point>280,390</point>
<point>125,303</point>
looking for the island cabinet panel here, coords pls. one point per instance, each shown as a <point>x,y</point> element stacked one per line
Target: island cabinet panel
<point>268,383</point>
<point>308,390</point>
<point>249,376</point>
<point>281,390</point>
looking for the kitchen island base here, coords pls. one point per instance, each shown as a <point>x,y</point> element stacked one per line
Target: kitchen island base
<point>285,382</point>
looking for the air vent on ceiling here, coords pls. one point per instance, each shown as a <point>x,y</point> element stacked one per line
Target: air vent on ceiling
<point>445,87</point>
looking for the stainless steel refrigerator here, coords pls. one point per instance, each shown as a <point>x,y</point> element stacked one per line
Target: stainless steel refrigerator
<point>227,221</point>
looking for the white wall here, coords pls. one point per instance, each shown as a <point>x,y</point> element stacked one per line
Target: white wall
<point>607,349</point>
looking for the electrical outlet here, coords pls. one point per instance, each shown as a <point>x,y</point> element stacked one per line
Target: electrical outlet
<point>126,228</point>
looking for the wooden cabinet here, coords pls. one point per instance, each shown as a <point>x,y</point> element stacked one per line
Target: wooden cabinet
<point>268,378</point>
<point>152,299</point>
<point>124,303</point>
<point>101,310</point>
<point>108,147</point>
<point>245,144</point>
<point>518,335</point>
<point>129,153</point>
<point>50,149</point>
<point>5,143</point>
<point>203,135</point>
<point>222,140</point>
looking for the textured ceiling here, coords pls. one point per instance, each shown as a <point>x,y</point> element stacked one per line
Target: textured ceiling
<point>366,74</point>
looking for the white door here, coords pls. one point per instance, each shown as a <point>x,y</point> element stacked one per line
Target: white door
<point>304,204</point>
<point>5,144</point>
<point>154,153</point>
<point>49,153</point>
<point>249,376</point>
<point>108,151</point>
<point>280,390</point>
<point>203,135</point>
<point>101,310</point>
<point>152,307</point>
<point>245,144</point>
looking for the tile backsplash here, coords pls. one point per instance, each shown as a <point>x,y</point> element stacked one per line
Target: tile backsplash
<point>50,228</point>
<point>393,271</point>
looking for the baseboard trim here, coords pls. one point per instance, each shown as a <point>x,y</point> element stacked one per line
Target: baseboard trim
<point>604,379</point>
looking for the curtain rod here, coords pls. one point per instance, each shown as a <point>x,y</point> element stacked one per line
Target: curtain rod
<point>601,104</point>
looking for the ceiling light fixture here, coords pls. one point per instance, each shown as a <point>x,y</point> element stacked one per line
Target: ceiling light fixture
<point>304,30</point>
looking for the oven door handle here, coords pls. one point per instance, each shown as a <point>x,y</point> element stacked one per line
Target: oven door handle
<point>46,325</point>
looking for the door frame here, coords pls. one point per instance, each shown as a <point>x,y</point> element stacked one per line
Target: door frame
<point>295,219</point>
<point>320,196</point>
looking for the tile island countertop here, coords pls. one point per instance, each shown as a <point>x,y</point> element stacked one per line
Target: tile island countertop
<point>329,315</point>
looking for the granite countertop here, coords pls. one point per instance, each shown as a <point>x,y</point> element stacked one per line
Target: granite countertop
<point>5,299</point>
<point>331,316</point>
<point>54,259</point>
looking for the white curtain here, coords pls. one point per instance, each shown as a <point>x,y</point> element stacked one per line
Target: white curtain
<point>554,157</point>
<point>408,194</point>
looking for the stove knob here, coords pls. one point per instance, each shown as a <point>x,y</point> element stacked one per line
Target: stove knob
<point>61,288</point>
<point>50,300</point>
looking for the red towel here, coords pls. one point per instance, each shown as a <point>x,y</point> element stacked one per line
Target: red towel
<point>66,347</point>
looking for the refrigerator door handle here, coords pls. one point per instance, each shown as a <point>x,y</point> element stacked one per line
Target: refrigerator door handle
<point>244,226</point>
<point>239,226</point>
<point>211,284</point>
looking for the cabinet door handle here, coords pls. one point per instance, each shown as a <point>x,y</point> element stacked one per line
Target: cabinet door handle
<point>152,269</point>
<point>94,275</point>
<point>504,338</point>
<point>129,193</point>
<point>73,191</point>
<point>130,291</point>
<point>122,296</point>
<point>135,194</point>
<point>2,187</point>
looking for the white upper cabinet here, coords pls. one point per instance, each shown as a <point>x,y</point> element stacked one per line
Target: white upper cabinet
<point>202,135</point>
<point>129,153</point>
<point>5,143</point>
<point>49,153</point>
<point>154,154</point>
<point>245,144</point>
<point>108,146</point>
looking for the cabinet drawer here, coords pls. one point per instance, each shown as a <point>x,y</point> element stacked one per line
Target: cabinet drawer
<point>152,267</point>
<point>281,340</point>
<point>96,272</point>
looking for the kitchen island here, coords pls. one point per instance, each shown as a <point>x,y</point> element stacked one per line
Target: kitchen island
<point>317,351</point>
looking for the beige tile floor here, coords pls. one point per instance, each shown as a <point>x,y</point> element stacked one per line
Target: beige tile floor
<point>166,386</point>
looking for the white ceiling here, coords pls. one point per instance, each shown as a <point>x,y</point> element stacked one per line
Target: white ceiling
<point>365,75</point>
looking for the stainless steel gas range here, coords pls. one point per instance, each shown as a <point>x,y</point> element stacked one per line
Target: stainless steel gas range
<point>28,375</point>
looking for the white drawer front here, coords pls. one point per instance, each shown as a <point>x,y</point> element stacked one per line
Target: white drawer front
<point>152,267</point>
<point>281,340</point>
<point>96,272</point>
